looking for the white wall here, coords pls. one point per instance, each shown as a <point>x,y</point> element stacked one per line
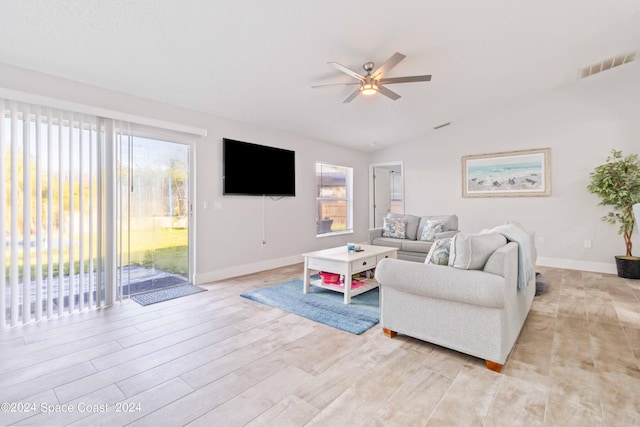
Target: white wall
<point>228,240</point>
<point>581,123</point>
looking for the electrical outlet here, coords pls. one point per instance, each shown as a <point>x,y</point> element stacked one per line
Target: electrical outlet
<point>541,240</point>
<point>587,244</point>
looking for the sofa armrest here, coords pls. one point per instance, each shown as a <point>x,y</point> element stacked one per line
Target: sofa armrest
<point>446,234</point>
<point>443,282</point>
<point>374,233</point>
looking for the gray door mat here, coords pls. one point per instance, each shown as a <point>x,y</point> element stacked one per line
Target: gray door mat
<point>166,294</point>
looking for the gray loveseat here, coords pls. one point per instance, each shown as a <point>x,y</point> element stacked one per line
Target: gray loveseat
<point>479,311</point>
<point>411,248</point>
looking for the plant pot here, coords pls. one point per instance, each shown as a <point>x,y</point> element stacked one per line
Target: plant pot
<point>628,266</point>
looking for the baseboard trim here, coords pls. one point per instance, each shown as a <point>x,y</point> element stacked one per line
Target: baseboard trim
<point>241,270</point>
<point>571,264</point>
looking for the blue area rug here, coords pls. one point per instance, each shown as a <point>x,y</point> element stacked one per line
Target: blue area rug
<point>166,294</point>
<point>322,305</point>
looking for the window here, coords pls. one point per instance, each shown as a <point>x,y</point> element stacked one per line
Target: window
<point>334,198</point>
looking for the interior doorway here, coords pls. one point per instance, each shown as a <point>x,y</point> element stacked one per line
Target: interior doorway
<point>386,190</point>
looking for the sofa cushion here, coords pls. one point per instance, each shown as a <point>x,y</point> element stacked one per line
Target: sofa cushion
<point>388,241</point>
<point>430,229</point>
<point>421,246</point>
<point>439,252</point>
<point>411,231</point>
<point>394,227</point>
<point>471,251</point>
<point>449,222</point>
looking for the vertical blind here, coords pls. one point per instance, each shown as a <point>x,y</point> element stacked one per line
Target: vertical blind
<point>52,216</point>
<point>123,187</point>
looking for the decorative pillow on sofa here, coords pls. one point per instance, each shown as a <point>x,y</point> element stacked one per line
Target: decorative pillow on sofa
<point>411,223</point>
<point>439,252</point>
<point>430,229</point>
<point>471,251</point>
<point>393,227</point>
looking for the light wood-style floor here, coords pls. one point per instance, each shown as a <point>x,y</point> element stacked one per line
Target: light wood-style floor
<point>217,359</point>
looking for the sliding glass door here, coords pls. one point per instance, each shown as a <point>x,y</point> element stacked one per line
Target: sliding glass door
<point>90,212</point>
<point>154,213</point>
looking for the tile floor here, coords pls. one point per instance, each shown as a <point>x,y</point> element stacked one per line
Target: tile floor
<point>215,358</point>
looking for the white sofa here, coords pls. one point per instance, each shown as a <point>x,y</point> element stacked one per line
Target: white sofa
<point>477,312</point>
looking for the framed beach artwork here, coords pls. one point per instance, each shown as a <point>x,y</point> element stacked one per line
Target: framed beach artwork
<point>524,173</point>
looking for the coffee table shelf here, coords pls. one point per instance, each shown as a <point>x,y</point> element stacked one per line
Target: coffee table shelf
<point>368,285</point>
<point>340,261</point>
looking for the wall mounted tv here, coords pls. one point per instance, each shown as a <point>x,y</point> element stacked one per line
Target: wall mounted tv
<point>257,170</point>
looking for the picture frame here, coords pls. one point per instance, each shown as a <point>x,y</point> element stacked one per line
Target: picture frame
<point>523,173</point>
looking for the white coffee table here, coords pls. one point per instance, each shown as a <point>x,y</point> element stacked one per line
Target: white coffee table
<point>340,261</point>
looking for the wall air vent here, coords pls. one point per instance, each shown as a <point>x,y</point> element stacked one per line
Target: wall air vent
<point>606,64</point>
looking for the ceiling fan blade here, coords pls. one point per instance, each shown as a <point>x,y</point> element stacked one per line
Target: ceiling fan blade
<point>408,79</point>
<point>335,84</point>
<point>352,96</point>
<point>389,93</point>
<point>347,71</point>
<point>388,64</point>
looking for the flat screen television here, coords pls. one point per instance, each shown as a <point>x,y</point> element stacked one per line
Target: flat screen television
<point>257,170</point>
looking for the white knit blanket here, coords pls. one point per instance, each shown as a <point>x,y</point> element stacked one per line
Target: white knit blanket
<point>515,233</point>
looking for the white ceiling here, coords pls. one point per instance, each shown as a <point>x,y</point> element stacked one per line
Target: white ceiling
<point>255,61</point>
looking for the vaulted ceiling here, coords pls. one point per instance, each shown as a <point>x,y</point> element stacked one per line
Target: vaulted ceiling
<point>255,61</point>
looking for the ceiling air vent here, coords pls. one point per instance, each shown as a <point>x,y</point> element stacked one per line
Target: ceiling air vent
<point>606,64</point>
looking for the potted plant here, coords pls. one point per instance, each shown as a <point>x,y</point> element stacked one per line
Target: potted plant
<point>617,183</point>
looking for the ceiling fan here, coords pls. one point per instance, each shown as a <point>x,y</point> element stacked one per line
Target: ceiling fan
<point>373,81</point>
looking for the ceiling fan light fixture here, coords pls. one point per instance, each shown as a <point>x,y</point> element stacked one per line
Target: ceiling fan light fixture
<point>375,81</point>
<point>370,88</point>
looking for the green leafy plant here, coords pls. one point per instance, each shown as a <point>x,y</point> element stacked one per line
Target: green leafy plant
<point>617,183</point>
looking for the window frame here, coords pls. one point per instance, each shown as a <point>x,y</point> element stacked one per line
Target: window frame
<point>348,199</point>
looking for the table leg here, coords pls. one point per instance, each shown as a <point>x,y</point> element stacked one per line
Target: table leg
<point>305,286</point>
<point>347,285</point>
